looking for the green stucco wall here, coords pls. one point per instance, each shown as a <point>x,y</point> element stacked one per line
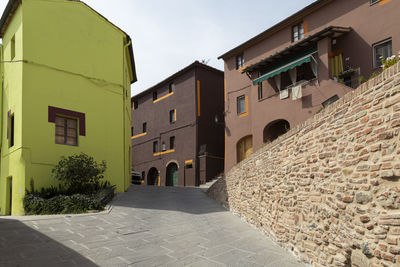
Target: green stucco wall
<point>74,60</point>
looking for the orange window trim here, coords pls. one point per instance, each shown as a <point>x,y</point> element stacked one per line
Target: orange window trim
<point>225,149</point>
<point>246,102</point>
<point>305,27</point>
<point>198,98</point>
<point>383,2</point>
<point>163,97</point>
<point>164,152</point>
<point>175,114</point>
<point>188,161</point>
<point>242,68</point>
<point>138,135</point>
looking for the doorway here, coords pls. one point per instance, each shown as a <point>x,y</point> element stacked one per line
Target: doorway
<point>172,174</point>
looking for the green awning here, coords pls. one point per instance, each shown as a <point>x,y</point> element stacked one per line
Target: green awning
<point>284,68</point>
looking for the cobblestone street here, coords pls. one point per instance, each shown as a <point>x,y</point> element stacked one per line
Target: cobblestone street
<point>147,226</point>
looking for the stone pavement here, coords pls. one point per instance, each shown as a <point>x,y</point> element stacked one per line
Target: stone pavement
<point>147,226</point>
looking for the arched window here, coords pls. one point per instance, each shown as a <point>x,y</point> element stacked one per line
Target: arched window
<point>275,129</point>
<point>244,148</point>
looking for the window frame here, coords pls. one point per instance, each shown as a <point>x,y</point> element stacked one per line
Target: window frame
<point>171,87</point>
<point>172,116</point>
<point>300,26</point>
<point>155,146</point>
<point>66,130</point>
<point>172,142</point>
<point>238,99</point>
<point>389,40</point>
<point>239,64</point>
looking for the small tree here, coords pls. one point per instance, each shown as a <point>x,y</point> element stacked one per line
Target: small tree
<point>79,173</point>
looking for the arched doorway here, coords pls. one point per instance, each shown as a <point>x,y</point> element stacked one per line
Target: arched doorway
<point>172,174</point>
<point>244,148</point>
<point>275,129</point>
<point>153,177</point>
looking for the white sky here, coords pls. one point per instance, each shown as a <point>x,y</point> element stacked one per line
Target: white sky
<point>169,35</point>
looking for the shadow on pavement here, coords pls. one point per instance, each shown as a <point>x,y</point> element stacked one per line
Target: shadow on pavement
<point>20,245</point>
<point>185,199</point>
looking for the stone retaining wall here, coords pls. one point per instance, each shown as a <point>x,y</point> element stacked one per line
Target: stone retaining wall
<point>329,189</point>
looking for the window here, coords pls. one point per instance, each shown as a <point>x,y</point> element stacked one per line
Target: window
<point>374,1</point>
<point>330,101</point>
<point>241,105</point>
<point>297,32</point>
<point>12,133</point>
<point>172,142</point>
<point>66,131</point>
<point>144,127</point>
<point>382,49</point>
<point>163,146</point>
<point>143,175</point>
<point>155,146</point>
<point>13,47</point>
<point>135,104</point>
<point>132,131</point>
<point>172,116</point>
<point>171,87</point>
<point>154,95</point>
<point>260,91</point>
<point>239,61</point>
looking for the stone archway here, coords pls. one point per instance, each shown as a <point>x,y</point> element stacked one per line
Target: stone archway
<point>275,129</point>
<point>172,174</point>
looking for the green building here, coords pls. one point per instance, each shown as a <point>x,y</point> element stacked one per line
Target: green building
<point>66,73</point>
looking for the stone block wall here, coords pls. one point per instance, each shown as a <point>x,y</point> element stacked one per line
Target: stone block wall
<point>329,189</point>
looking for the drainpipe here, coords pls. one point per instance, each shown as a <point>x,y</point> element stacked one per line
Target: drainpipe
<point>1,93</point>
<point>124,106</point>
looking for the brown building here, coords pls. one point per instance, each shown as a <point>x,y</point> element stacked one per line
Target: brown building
<point>284,75</point>
<point>175,139</point>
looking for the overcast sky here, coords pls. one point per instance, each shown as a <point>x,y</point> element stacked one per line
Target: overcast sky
<point>169,35</point>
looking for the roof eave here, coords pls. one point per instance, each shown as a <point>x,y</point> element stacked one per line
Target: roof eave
<point>277,27</point>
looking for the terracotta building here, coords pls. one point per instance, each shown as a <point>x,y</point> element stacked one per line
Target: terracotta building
<point>286,74</point>
<point>176,140</point>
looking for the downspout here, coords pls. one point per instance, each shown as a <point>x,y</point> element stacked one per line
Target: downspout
<point>1,94</point>
<point>124,117</point>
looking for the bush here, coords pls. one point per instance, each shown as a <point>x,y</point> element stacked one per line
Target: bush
<point>79,173</point>
<point>63,204</point>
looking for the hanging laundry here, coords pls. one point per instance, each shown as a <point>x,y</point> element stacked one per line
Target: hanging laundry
<point>284,94</point>
<point>296,92</point>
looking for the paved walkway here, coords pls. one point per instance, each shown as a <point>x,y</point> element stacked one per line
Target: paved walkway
<point>147,226</point>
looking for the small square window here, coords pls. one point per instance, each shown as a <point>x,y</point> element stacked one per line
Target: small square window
<point>144,126</point>
<point>163,146</point>
<point>330,101</point>
<point>155,146</point>
<point>382,50</point>
<point>172,116</point>
<point>135,104</point>
<point>297,32</point>
<point>154,95</point>
<point>172,142</point>
<point>239,61</point>
<point>171,87</point>
<point>66,131</point>
<point>241,104</point>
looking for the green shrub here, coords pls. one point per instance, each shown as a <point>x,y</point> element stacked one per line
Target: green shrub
<point>63,204</point>
<point>79,173</point>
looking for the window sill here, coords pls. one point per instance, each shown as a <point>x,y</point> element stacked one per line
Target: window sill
<point>243,115</point>
<point>138,135</point>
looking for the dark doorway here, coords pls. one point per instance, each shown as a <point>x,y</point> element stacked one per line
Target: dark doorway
<point>275,129</point>
<point>172,174</point>
<point>153,177</point>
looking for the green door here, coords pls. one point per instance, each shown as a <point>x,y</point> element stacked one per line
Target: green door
<point>172,175</point>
